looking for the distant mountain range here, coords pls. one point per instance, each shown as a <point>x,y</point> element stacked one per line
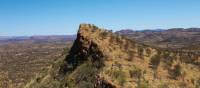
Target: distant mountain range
<point>162,38</point>
<point>47,38</point>
<point>165,38</point>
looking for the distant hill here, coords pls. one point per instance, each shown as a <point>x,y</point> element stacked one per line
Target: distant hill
<point>37,39</point>
<point>102,59</point>
<point>170,38</point>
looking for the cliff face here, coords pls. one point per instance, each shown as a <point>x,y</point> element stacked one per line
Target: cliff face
<point>101,59</point>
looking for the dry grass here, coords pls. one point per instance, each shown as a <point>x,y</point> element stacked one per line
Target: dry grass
<point>122,57</point>
<point>21,61</point>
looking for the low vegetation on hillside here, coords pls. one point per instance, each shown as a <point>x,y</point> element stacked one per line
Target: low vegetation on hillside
<point>21,60</point>
<point>101,59</point>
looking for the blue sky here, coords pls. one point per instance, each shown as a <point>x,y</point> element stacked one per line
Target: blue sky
<point>48,17</point>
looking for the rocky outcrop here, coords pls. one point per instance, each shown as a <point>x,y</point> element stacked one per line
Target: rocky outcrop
<point>102,59</point>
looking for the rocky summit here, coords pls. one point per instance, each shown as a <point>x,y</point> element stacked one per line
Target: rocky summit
<point>102,59</point>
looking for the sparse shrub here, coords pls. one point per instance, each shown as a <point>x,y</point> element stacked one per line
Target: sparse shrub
<point>197,85</point>
<point>143,84</point>
<point>94,28</point>
<point>119,75</point>
<point>85,75</point>
<point>126,46</point>
<point>140,52</point>
<point>148,51</point>
<point>155,61</point>
<point>118,39</point>
<point>38,79</point>
<point>185,58</point>
<point>175,72</point>
<point>116,73</point>
<point>121,80</point>
<point>104,34</point>
<point>112,38</point>
<point>168,60</point>
<point>65,51</point>
<point>117,64</point>
<point>189,58</point>
<point>131,54</point>
<point>136,72</point>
